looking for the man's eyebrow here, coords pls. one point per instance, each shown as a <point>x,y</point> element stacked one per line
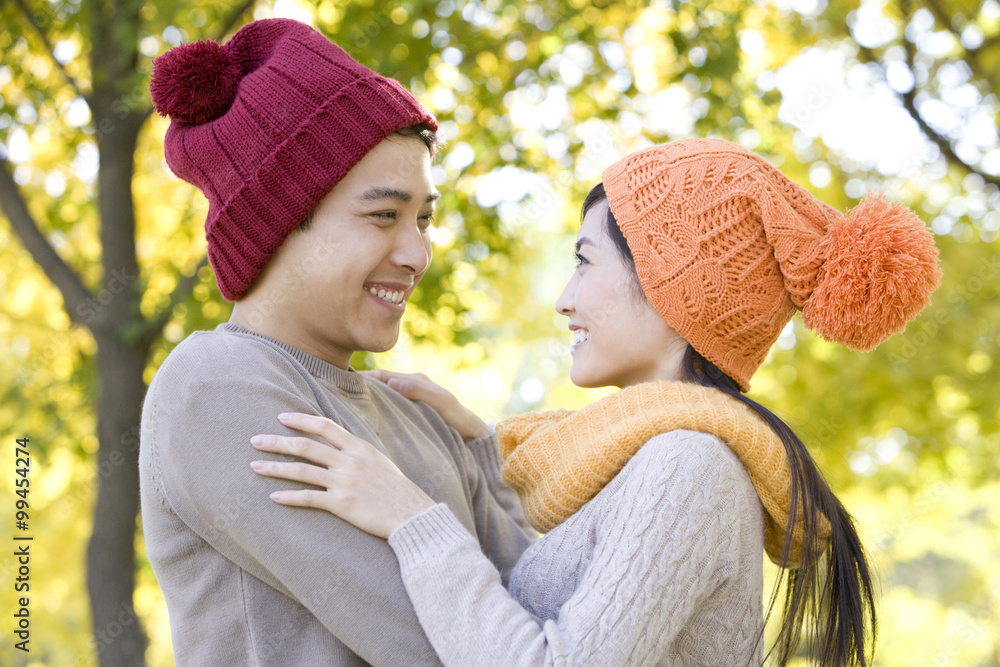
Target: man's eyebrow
<point>582,241</point>
<point>376,193</point>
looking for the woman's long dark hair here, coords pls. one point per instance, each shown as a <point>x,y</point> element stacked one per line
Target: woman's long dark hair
<point>831,590</point>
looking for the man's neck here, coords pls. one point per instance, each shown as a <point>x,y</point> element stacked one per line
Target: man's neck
<point>248,317</point>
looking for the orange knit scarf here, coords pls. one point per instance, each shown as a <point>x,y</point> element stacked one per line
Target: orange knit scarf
<point>557,461</point>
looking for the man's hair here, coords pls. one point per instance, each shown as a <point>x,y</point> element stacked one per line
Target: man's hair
<point>418,131</point>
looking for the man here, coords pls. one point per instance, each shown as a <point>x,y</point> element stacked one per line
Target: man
<point>317,173</point>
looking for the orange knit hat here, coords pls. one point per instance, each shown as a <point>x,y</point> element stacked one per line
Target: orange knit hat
<point>727,248</point>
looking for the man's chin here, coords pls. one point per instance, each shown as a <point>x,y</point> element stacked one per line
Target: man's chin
<point>382,343</point>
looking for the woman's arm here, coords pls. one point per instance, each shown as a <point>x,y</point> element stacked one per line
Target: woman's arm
<point>662,538</point>
<point>659,545</point>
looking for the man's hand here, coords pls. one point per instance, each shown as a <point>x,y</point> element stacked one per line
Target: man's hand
<point>417,387</point>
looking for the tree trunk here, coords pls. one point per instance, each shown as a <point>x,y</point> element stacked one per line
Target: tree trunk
<point>119,106</point>
<point>119,636</point>
<point>121,359</point>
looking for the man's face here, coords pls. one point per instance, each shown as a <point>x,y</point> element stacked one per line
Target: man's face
<point>342,285</point>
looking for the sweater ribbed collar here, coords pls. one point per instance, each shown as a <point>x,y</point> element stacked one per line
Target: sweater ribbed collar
<point>348,381</point>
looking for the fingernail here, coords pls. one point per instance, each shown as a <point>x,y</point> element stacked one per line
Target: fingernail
<point>285,416</point>
<point>277,496</point>
<point>257,440</point>
<point>256,465</point>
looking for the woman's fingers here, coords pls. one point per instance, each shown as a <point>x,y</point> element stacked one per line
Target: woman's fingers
<point>412,385</point>
<point>418,387</point>
<point>377,373</point>
<point>296,472</point>
<point>327,429</point>
<point>321,500</point>
<point>384,375</point>
<point>304,448</point>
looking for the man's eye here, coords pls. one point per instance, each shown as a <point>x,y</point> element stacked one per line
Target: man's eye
<point>426,221</point>
<point>384,215</point>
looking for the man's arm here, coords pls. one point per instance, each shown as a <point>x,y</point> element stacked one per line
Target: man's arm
<point>199,422</point>
<point>486,452</point>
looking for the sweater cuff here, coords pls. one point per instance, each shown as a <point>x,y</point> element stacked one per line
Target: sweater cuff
<point>427,535</point>
<point>486,451</point>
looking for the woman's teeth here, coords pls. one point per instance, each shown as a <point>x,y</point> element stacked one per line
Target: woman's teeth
<point>387,295</point>
<point>579,336</point>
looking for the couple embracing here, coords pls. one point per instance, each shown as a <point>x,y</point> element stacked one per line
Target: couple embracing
<point>297,512</point>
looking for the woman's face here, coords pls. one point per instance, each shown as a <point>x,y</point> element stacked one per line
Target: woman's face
<point>619,340</point>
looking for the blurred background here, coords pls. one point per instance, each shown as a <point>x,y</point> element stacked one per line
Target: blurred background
<point>102,267</point>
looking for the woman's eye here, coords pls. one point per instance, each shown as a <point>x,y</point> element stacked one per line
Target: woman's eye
<point>580,259</point>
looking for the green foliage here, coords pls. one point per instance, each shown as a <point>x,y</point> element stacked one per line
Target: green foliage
<point>550,91</point>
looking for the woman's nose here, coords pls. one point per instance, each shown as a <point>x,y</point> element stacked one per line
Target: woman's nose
<point>564,304</point>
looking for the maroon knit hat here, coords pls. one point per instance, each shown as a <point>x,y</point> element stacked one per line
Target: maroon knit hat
<point>266,125</point>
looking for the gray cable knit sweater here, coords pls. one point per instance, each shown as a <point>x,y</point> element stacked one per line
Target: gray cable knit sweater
<point>249,582</point>
<point>662,567</point>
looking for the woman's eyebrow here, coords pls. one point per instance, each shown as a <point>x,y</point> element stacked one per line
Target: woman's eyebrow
<point>582,241</point>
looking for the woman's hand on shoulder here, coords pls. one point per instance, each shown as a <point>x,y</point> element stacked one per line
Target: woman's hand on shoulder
<point>418,387</point>
<point>357,482</point>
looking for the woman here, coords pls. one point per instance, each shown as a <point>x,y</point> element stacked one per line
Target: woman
<point>657,500</point>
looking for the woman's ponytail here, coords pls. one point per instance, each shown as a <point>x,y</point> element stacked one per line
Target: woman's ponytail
<point>830,591</point>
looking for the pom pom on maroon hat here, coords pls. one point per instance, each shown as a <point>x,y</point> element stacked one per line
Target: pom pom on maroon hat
<point>195,83</point>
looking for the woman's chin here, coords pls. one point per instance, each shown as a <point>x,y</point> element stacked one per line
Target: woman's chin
<point>581,378</point>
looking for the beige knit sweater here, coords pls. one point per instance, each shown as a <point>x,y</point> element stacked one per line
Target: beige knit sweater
<point>249,582</point>
<point>662,567</point>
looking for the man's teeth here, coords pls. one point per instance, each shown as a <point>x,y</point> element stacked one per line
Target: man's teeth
<point>387,295</point>
<point>580,335</point>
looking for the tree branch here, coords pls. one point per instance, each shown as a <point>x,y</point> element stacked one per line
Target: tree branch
<point>75,295</point>
<point>155,324</point>
<point>988,42</point>
<point>909,99</point>
<point>48,47</point>
<point>233,18</point>
<point>909,103</point>
<point>942,16</point>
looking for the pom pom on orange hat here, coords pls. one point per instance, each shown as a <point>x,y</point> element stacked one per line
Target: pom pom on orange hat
<point>727,248</point>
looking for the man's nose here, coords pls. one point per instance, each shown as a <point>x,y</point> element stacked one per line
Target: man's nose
<point>412,250</point>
